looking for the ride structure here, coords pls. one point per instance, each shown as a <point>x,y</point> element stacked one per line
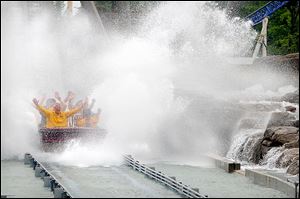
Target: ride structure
<point>261,16</point>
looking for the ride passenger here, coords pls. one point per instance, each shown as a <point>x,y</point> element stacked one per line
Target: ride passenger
<point>62,102</point>
<point>56,117</point>
<point>49,104</point>
<point>94,119</point>
<point>87,118</point>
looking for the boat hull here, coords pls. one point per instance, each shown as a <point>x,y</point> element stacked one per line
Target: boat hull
<point>56,139</point>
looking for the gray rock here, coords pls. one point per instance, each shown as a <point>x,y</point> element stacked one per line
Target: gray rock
<point>264,150</point>
<point>278,136</point>
<point>285,134</point>
<point>291,109</point>
<point>293,169</point>
<point>294,144</point>
<point>291,97</point>
<point>287,157</point>
<point>269,133</point>
<point>296,124</point>
<point>256,151</point>
<point>266,142</point>
<point>250,150</point>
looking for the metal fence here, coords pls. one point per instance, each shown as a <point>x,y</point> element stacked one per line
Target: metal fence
<point>55,185</point>
<point>170,182</point>
<point>60,191</point>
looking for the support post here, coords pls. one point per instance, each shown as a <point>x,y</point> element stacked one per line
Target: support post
<point>262,40</point>
<point>94,16</point>
<point>58,192</point>
<point>27,158</point>
<point>38,171</point>
<point>47,181</point>
<point>70,8</point>
<point>264,46</point>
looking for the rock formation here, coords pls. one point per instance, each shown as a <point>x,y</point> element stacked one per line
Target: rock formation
<point>283,131</point>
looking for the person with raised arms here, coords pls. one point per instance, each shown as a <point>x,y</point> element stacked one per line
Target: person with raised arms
<point>55,117</point>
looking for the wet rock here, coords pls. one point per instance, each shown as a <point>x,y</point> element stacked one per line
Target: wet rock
<point>281,119</point>
<point>285,135</point>
<point>281,63</point>
<point>296,124</point>
<point>264,150</point>
<point>277,136</point>
<point>269,133</point>
<point>293,169</point>
<point>256,150</point>
<point>267,143</point>
<point>287,157</point>
<point>294,144</point>
<point>291,109</point>
<point>249,150</point>
<point>291,97</point>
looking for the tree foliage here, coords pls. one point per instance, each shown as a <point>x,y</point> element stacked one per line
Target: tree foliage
<point>283,27</point>
<point>104,6</point>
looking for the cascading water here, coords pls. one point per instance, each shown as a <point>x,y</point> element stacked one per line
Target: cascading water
<point>271,158</point>
<point>246,144</point>
<point>166,91</point>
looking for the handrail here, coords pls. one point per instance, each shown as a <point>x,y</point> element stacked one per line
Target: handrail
<point>54,180</point>
<point>164,179</point>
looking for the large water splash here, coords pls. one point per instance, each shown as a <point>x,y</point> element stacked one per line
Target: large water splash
<point>180,46</point>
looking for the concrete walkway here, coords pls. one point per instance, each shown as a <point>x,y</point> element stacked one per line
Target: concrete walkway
<point>217,183</point>
<point>19,181</point>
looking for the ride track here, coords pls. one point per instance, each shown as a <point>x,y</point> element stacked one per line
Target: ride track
<point>267,10</point>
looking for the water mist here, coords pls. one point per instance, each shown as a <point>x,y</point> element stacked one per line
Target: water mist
<point>162,90</point>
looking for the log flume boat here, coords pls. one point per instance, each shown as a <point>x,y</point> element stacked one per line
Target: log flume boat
<point>56,139</point>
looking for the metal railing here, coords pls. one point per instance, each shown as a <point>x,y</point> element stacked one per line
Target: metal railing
<point>170,182</point>
<point>56,186</point>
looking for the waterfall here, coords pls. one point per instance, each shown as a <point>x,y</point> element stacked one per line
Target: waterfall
<point>270,159</point>
<point>246,146</point>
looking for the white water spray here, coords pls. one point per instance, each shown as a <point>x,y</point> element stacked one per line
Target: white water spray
<point>179,46</point>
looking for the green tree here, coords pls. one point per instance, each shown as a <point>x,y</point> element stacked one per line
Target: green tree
<point>58,7</point>
<point>283,27</point>
<point>104,6</point>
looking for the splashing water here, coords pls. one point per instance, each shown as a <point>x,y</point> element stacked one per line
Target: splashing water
<point>271,157</point>
<point>180,46</point>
